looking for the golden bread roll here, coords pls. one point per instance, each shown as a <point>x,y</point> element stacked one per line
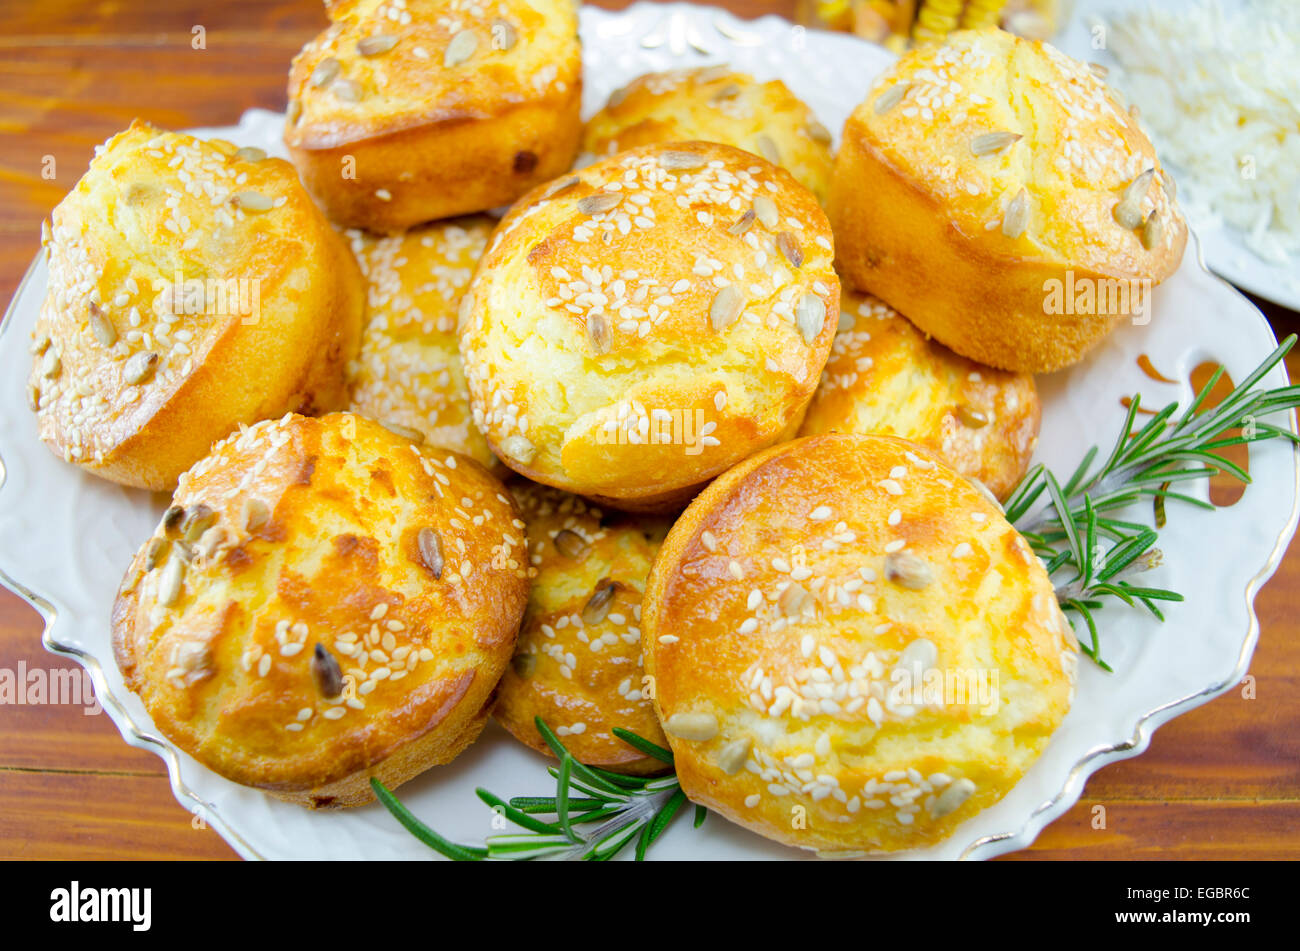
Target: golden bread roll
<point>716,104</point>
<point>884,376</point>
<point>981,182</point>
<point>403,112</point>
<point>577,663</point>
<point>408,375</point>
<point>639,326</point>
<point>324,602</point>
<point>193,286</point>
<point>851,649</point>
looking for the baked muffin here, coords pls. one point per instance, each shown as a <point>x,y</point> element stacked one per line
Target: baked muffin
<point>403,112</point>
<point>409,374</point>
<point>852,651</point>
<point>716,104</point>
<point>994,191</point>
<point>639,326</point>
<point>577,663</point>
<point>884,376</point>
<point>193,286</point>
<point>324,602</point>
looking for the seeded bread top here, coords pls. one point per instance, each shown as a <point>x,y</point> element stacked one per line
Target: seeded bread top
<point>716,104</point>
<point>1027,150</point>
<point>788,605</point>
<point>321,592</point>
<point>383,66</point>
<point>643,324</point>
<point>885,376</point>
<point>178,265</point>
<point>409,371</point>
<point>578,661</point>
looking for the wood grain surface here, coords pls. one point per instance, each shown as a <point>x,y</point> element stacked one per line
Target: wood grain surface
<point>1220,782</point>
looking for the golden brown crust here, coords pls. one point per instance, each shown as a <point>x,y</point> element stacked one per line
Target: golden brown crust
<point>884,376</point>
<point>409,372</point>
<point>577,664</point>
<point>715,104</point>
<point>302,537</point>
<point>921,221</point>
<point>206,274</point>
<point>778,610</point>
<point>457,108</point>
<point>590,332</point>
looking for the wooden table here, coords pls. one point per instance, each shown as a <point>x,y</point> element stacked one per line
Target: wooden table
<point>1220,782</point>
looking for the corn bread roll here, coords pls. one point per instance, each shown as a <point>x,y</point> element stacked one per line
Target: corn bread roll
<point>716,104</point>
<point>403,111</point>
<point>639,326</point>
<point>851,649</point>
<point>884,376</point>
<point>577,663</point>
<point>324,602</point>
<point>980,177</point>
<point>409,375</point>
<point>193,286</point>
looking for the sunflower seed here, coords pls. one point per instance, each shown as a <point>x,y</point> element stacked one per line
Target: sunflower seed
<point>101,327</point>
<point>742,224</point>
<point>767,148</point>
<point>1016,218</point>
<point>379,43</point>
<point>817,132</point>
<point>1153,231</point>
<point>765,208</point>
<point>40,344</point>
<point>325,671</point>
<point>51,365</point>
<point>810,316</point>
<point>731,758</point>
<point>525,665</point>
<point>794,600</point>
<point>250,153</point>
<point>33,397</point>
<point>294,112</point>
<point>919,653</point>
<point>570,544</point>
<point>907,571</point>
<point>692,726</point>
<point>729,91</point>
<point>985,491</point>
<point>617,96</point>
<point>461,48</point>
<point>602,599</point>
<point>172,519</point>
<point>140,367</point>
<point>560,186</point>
<point>789,246</point>
<point>726,307</point>
<point>598,334</point>
<point>599,203</point>
<point>952,798</point>
<point>406,432</point>
<point>252,201</point>
<point>504,35</point>
<point>430,544</point>
<point>891,97</point>
<point>1137,189</point>
<point>210,541</point>
<point>677,161</point>
<point>347,90</point>
<point>169,582</point>
<point>1129,215</point>
<point>990,142</point>
<point>971,417</point>
<point>254,514</point>
<point>159,548</point>
<point>326,71</point>
<point>519,449</point>
<point>198,521</point>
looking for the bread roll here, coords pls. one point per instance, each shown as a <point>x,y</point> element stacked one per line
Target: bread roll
<point>324,602</point>
<point>983,181</point>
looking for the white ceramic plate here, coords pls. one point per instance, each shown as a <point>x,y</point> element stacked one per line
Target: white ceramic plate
<point>1223,246</point>
<point>67,537</point>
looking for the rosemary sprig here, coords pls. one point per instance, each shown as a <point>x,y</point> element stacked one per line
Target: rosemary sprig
<point>1091,555</point>
<point>620,809</point>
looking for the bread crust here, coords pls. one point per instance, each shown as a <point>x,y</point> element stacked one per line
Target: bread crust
<point>310,554</point>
